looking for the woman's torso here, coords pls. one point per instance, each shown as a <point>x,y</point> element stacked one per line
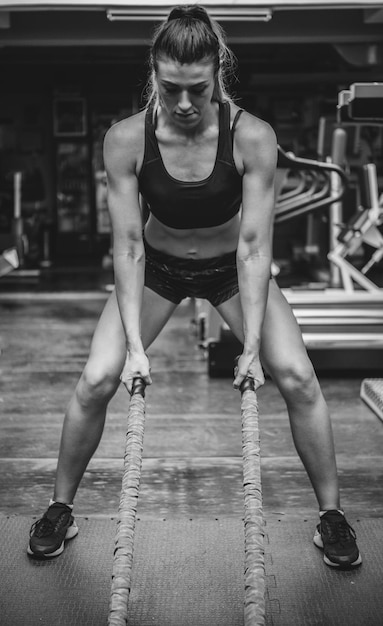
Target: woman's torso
<point>194,160</point>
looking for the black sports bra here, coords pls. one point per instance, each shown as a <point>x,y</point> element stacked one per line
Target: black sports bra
<point>197,204</point>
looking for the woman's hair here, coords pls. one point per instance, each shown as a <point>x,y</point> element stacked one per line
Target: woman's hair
<point>190,35</point>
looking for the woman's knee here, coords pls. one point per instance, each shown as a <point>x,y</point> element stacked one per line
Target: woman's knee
<point>297,382</point>
<point>96,385</point>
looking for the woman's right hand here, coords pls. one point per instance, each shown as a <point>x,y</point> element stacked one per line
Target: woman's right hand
<point>136,366</point>
<point>248,366</point>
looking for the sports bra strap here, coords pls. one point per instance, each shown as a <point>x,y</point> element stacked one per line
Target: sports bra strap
<point>236,118</point>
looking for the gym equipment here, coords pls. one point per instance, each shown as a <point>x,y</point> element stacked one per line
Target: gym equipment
<point>123,552</point>
<point>11,248</point>
<point>254,569</point>
<point>363,102</point>
<point>371,392</point>
<point>361,229</point>
<point>254,602</point>
<point>313,187</point>
<point>9,260</point>
<point>341,323</point>
<point>14,245</point>
<point>20,240</point>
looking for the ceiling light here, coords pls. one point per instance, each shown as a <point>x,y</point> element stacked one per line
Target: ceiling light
<point>153,13</point>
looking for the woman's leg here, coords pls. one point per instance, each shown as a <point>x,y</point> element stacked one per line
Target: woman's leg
<point>285,357</point>
<point>85,416</point>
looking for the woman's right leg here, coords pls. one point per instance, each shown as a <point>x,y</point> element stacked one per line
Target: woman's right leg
<point>85,415</point>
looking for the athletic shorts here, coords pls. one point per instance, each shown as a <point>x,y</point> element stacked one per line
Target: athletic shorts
<point>175,278</point>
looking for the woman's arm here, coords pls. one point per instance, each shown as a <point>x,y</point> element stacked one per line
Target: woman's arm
<point>121,147</point>
<point>258,147</point>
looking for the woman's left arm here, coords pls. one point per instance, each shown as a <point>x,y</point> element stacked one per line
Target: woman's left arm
<point>258,148</point>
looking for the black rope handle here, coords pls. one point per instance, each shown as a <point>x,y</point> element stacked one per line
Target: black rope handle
<point>138,386</point>
<point>248,384</point>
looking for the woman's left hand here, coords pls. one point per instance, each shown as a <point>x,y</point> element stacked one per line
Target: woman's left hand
<point>136,366</point>
<point>248,366</point>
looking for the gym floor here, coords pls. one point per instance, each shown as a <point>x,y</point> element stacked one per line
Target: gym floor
<point>192,459</point>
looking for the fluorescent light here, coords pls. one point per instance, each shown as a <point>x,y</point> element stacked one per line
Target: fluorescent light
<point>153,13</point>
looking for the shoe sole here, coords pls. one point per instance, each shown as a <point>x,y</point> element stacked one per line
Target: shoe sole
<point>70,534</point>
<point>319,544</point>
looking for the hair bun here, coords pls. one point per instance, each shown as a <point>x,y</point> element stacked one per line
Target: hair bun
<point>190,12</point>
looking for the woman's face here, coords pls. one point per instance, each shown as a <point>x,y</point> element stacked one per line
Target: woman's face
<point>185,90</point>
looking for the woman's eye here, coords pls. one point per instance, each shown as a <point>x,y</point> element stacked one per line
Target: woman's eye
<point>195,91</point>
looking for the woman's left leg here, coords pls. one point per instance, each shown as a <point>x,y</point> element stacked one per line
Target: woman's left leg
<point>284,355</point>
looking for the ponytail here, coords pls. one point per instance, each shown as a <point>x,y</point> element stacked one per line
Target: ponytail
<point>187,36</point>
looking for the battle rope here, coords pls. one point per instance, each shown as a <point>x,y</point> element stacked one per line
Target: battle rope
<point>123,551</point>
<point>254,604</point>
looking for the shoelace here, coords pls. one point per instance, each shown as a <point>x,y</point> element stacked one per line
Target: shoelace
<point>45,526</point>
<point>339,531</point>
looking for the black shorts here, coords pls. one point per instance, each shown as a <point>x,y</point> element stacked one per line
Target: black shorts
<point>175,278</point>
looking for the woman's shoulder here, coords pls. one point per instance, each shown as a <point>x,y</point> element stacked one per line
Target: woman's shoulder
<point>251,128</point>
<point>255,140</point>
<point>128,132</point>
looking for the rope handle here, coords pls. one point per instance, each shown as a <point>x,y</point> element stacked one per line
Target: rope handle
<point>248,383</point>
<point>138,386</point>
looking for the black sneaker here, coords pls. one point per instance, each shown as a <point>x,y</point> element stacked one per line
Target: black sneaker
<point>48,534</point>
<point>338,541</point>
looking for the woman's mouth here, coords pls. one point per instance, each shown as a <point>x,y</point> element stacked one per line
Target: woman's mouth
<point>185,116</point>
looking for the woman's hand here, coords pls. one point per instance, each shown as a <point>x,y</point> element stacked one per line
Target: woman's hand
<point>248,366</point>
<point>136,366</point>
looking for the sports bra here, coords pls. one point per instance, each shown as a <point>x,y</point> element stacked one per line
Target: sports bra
<point>197,204</point>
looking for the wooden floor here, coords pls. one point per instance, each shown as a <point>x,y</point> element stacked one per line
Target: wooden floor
<point>192,453</point>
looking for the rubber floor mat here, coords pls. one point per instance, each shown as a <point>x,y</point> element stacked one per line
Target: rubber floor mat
<point>185,573</point>
<point>302,591</point>
<point>189,573</point>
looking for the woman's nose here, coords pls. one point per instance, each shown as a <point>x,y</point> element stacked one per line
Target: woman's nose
<point>184,103</point>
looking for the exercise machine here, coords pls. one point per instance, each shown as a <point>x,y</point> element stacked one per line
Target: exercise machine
<point>11,229</point>
<point>14,239</point>
<point>342,321</point>
<point>9,261</point>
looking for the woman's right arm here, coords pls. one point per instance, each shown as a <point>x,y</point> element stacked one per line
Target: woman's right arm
<point>120,158</point>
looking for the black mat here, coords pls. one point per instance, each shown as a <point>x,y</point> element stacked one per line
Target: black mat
<point>189,573</point>
<point>303,591</point>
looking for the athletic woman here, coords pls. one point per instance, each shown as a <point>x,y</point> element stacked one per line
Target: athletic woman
<point>206,171</point>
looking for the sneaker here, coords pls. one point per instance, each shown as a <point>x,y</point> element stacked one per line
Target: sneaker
<point>48,534</point>
<point>337,539</point>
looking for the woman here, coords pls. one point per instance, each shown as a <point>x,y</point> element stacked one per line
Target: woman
<point>196,159</point>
